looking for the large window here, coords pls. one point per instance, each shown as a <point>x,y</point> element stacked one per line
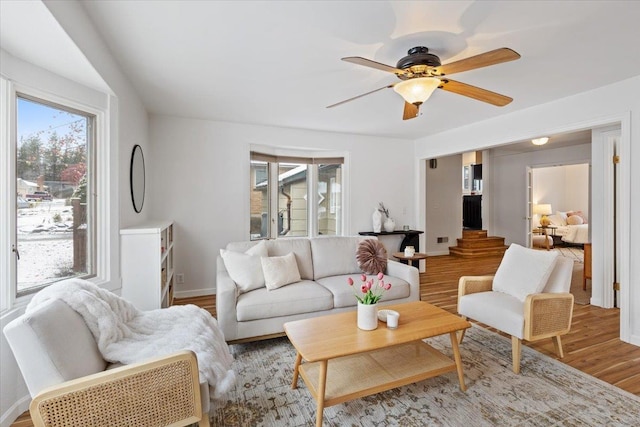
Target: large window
<point>295,196</point>
<point>54,175</point>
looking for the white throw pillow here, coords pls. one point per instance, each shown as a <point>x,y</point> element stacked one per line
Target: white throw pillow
<point>245,269</point>
<point>557,220</point>
<point>280,270</point>
<point>524,271</point>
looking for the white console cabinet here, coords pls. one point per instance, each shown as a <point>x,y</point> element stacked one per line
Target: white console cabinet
<point>146,255</point>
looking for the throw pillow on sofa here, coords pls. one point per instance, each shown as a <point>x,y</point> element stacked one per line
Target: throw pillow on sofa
<point>245,269</point>
<point>280,270</point>
<point>372,257</point>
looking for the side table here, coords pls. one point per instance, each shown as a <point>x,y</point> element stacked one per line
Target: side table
<point>416,257</point>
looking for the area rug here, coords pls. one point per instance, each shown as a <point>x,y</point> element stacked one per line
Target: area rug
<point>546,393</point>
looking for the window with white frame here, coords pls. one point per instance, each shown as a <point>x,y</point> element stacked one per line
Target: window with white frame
<point>54,175</point>
<point>295,196</point>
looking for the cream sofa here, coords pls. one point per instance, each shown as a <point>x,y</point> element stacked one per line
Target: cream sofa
<point>324,264</point>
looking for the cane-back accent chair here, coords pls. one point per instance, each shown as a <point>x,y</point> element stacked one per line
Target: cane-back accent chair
<point>158,392</point>
<point>540,308</point>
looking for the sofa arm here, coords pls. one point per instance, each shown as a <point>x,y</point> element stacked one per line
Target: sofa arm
<point>226,300</point>
<point>115,394</point>
<point>547,315</point>
<point>407,273</point>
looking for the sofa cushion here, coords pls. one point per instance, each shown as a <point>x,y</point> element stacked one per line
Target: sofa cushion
<point>300,247</point>
<point>496,309</point>
<point>333,256</point>
<point>245,269</point>
<point>523,271</point>
<point>371,256</point>
<point>343,294</point>
<point>297,298</point>
<point>280,271</point>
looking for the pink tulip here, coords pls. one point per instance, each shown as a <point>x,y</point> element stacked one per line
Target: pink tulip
<point>368,285</point>
<point>350,281</point>
<point>380,276</point>
<point>364,289</point>
<point>387,286</point>
<point>363,277</point>
<point>381,283</point>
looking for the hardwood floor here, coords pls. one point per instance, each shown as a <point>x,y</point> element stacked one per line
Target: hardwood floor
<point>592,346</point>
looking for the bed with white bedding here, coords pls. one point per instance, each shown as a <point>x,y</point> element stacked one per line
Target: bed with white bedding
<point>576,234</point>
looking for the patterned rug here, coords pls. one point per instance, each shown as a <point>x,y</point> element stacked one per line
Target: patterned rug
<point>573,252</point>
<point>546,393</point>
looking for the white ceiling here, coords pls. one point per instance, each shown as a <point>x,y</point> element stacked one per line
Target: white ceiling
<point>278,63</point>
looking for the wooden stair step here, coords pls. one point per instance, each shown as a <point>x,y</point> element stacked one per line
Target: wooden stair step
<point>474,234</point>
<point>487,242</point>
<point>477,252</point>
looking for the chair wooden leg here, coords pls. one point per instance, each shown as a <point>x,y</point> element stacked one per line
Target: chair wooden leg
<point>461,333</point>
<point>557,343</point>
<point>516,347</point>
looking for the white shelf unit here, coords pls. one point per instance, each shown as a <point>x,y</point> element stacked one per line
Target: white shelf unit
<point>147,264</point>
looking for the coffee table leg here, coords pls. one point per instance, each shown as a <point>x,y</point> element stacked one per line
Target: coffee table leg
<point>458,359</point>
<point>296,370</point>
<point>322,382</point>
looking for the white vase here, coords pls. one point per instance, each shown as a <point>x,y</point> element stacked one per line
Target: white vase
<point>389,225</point>
<point>367,316</point>
<point>377,221</point>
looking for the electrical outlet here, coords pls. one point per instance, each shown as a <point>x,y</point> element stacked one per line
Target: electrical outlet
<point>180,278</point>
<point>443,239</point>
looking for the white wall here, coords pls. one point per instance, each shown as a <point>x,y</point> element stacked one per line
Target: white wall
<point>128,126</point>
<point>444,204</point>
<point>509,184</point>
<point>200,179</point>
<point>618,102</point>
<point>566,188</point>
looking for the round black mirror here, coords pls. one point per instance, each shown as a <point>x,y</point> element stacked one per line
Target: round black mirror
<point>136,178</point>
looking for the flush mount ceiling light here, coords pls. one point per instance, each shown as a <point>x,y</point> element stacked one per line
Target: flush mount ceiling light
<point>417,91</point>
<point>540,141</point>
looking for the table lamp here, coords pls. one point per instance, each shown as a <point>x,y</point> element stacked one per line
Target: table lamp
<point>544,210</point>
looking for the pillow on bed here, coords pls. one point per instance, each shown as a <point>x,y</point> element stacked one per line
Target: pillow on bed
<point>575,220</point>
<point>563,215</point>
<point>577,213</point>
<point>557,220</point>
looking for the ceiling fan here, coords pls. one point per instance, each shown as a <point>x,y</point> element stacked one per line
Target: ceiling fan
<point>421,73</point>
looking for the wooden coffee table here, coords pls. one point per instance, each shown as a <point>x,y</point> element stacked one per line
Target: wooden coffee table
<point>369,362</point>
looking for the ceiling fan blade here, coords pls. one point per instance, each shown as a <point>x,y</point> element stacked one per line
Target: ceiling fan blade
<point>373,64</point>
<point>410,111</point>
<point>359,96</point>
<point>493,57</point>
<point>475,92</point>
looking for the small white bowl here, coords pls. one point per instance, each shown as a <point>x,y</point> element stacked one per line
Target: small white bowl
<point>382,314</point>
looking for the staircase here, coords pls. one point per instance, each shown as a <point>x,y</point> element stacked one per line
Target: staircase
<point>476,243</point>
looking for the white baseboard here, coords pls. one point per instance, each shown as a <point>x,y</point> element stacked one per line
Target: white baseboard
<point>635,340</point>
<point>15,411</point>
<point>194,293</point>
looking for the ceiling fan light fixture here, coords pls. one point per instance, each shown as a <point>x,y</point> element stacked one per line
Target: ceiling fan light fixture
<point>540,141</point>
<point>418,90</point>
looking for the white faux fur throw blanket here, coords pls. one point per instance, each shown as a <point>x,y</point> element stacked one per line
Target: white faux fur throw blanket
<point>128,335</point>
